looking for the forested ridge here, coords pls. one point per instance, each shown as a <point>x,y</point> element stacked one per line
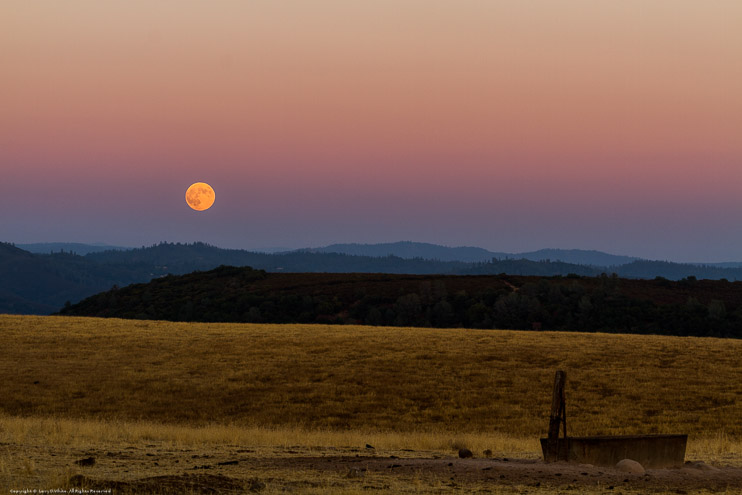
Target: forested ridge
<point>41,283</point>
<point>604,303</point>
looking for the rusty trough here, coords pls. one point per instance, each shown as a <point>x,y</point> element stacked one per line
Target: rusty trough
<point>651,451</point>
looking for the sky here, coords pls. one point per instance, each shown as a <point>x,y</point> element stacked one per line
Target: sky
<point>509,125</point>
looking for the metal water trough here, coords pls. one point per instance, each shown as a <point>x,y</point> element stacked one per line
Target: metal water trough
<point>651,451</point>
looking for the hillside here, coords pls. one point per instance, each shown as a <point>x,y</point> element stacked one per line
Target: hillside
<point>408,250</point>
<point>338,410</point>
<point>608,304</point>
<point>185,258</point>
<point>32,283</point>
<point>370,378</point>
<point>69,247</point>
<point>577,256</point>
<point>42,283</point>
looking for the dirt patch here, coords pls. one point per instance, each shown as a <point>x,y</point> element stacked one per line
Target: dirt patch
<point>186,483</point>
<point>519,472</point>
<point>164,468</point>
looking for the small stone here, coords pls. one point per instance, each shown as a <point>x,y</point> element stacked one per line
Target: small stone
<point>88,461</point>
<point>354,473</point>
<point>629,466</point>
<point>465,453</point>
<point>254,485</point>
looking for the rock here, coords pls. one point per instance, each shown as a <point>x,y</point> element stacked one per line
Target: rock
<point>354,473</point>
<point>88,461</point>
<point>629,466</point>
<point>465,453</point>
<point>78,480</point>
<point>254,485</point>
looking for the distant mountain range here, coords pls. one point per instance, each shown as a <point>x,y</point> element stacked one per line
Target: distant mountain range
<point>409,250</point>
<point>35,283</point>
<point>402,249</point>
<point>68,247</point>
<point>423,250</point>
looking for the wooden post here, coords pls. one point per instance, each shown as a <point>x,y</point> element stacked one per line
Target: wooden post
<point>558,415</point>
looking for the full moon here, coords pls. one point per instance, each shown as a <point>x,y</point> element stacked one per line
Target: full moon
<point>200,196</point>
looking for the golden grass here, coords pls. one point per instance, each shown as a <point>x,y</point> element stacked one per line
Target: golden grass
<point>77,385</point>
<point>719,448</point>
<point>314,377</point>
<point>60,432</point>
<point>74,438</point>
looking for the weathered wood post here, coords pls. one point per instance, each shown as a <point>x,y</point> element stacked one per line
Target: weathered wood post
<point>558,415</point>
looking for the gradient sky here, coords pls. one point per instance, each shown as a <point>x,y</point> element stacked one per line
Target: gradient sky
<point>510,125</point>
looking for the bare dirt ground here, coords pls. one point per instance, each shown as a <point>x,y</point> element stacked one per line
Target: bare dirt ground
<point>167,468</point>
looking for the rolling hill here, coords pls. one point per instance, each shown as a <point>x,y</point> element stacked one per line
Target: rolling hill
<point>70,247</point>
<point>602,303</point>
<point>41,283</point>
<point>409,250</point>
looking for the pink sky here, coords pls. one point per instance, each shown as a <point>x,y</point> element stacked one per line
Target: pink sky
<point>508,125</point>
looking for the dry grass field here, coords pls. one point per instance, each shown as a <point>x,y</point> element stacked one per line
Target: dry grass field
<point>149,399</point>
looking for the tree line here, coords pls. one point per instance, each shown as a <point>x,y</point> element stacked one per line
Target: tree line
<point>603,303</point>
